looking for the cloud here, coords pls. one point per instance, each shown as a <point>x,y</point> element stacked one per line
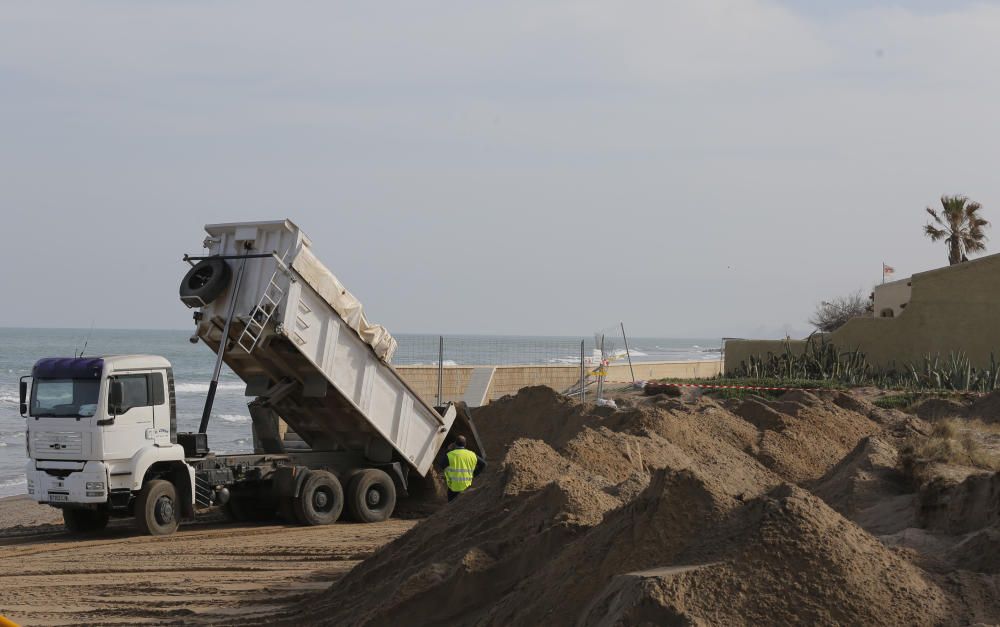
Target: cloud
<point>636,138</point>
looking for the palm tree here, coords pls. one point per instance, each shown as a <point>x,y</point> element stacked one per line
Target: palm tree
<point>960,227</point>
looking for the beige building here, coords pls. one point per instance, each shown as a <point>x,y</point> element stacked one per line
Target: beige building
<point>948,310</point>
<point>891,298</point>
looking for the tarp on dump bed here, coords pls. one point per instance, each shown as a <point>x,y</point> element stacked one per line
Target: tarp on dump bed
<point>318,277</point>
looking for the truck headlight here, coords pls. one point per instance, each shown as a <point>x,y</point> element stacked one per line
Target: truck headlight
<point>95,485</point>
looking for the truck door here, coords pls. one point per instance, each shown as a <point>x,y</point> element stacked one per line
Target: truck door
<point>131,427</point>
<point>161,410</point>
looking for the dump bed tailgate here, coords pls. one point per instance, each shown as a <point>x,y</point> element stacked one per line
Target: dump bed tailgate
<point>302,343</point>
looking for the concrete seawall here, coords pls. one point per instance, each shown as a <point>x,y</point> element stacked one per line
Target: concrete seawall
<point>509,379</point>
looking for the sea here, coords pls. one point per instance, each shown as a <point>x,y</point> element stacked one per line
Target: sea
<point>229,428</point>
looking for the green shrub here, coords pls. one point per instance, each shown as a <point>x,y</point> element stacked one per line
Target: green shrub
<point>822,361</point>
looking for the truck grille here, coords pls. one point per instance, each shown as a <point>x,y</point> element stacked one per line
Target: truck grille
<point>56,443</point>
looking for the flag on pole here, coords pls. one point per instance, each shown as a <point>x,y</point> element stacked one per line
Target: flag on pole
<point>886,271</point>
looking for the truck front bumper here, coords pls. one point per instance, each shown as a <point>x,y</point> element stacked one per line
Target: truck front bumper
<point>86,486</point>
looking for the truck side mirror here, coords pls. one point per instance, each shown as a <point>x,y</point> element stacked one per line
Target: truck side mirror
<point>116,398</point>
<point>24,397</point>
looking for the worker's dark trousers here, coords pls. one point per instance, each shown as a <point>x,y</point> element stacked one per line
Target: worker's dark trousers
<point>452,495</point>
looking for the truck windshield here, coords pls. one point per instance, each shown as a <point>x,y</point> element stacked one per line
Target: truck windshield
<point>71,398</point>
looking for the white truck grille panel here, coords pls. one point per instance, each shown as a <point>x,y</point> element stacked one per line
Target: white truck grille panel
<point>56,443</point>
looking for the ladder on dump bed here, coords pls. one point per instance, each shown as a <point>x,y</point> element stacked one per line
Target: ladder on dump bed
<point>262,313</point>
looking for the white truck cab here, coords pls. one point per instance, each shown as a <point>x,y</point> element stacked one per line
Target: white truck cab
<point>99,430</point>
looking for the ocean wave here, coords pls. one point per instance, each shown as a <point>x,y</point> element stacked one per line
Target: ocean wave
<point>234,418</point>
<point>564,360</point>
<point>194,388</point>
<point>621,352</point>
<point>15,486</point>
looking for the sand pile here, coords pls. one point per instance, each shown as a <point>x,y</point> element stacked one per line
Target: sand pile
<point>969,505</point>
<point>456,564</point>
<point>867,488</point>
<point>800,436</point>
<point>937,408</point>
<point>662,512</point>
<point>538,413</point>
<point>986,408</point>
<point>785,558</point>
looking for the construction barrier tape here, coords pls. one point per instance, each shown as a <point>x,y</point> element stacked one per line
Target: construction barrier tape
<point>651,388</point>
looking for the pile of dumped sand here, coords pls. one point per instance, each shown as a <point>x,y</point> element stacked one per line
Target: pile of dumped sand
<point>937,408</point>
<point>667,513</point>
<point>986,408</point>
<point>802,436</point>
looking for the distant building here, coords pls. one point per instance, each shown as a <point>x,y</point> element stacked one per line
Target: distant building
<point>891,298</point>
<point>955,309</point>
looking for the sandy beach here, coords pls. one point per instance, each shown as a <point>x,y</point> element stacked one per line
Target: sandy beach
<point>208,572</point>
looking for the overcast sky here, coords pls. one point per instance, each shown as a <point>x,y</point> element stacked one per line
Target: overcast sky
<point>694,169</point>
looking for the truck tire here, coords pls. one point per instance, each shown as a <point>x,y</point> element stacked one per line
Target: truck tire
<point>205,282</point>
<point>371,496</point>
<point>84,520</point>
<point>321,499</point>
<point>157,508</point>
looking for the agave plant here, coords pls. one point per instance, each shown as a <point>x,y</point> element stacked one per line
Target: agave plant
<point>822,361</point>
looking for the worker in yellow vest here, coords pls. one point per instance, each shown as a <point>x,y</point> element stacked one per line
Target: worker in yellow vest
<point>460,465</point>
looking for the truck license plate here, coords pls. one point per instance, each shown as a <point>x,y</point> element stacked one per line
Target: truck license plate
<point>58,497</point>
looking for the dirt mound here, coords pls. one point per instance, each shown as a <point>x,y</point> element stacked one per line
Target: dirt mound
<point>538,413</point>
<point>980,551</point>
<point>867,488</point>
<point>841,575</point>
<point>716,560</point>
<point>657,526</point>
<point>623,446</point>
<point>937,408</point>
<point>961,507</point>
<point>455,564</point>
<point>986,408</point>
<point>801,441</point>
<point>866,474</point>
<point>664,512</point>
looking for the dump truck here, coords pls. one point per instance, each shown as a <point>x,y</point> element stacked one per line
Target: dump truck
<point>102,432</point>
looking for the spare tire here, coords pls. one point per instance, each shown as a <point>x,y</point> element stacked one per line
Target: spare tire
<point>205,282</point>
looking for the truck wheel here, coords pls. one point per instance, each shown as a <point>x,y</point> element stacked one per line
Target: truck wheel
<point>204,282</point>
<point>321,499</point>
<point>157,508</point>
<point>371,496</point>
<point>84,520</point>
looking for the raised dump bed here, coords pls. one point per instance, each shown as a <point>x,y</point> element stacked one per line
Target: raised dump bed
<point>302,343</point>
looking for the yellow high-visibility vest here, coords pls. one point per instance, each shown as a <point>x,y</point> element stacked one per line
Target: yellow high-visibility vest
<point>461,465</point>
